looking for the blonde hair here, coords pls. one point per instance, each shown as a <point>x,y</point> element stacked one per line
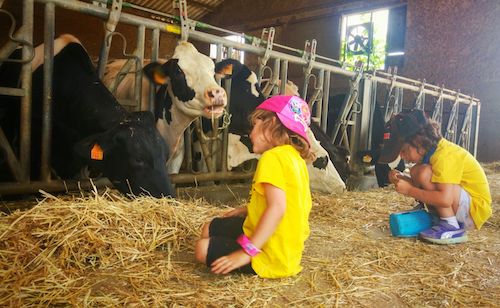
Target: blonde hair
<point>280,135</point>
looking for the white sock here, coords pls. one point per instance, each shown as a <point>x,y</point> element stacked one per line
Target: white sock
<point>452,221</point>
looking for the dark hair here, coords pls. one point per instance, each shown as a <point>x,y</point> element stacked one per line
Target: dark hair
<point>427,137</point>
<point>280,135</point>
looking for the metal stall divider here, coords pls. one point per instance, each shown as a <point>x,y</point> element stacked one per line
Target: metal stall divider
<point>20,166</point>
<point>190,29</point>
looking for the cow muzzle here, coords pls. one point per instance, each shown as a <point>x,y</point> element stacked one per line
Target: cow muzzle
<point>215,101</point>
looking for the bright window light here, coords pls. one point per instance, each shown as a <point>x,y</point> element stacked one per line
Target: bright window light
<point>379,21</point>
<point>236,54</point>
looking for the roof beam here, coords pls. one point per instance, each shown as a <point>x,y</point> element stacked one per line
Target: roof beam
<point>313,12</point>
<point>206,7</point>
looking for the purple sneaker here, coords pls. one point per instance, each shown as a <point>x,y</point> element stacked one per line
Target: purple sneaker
<point>444,233</point>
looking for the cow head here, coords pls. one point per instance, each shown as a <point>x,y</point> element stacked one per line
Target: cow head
<point>131,154</point>
<point>245,92</point>
<point>187,82</point>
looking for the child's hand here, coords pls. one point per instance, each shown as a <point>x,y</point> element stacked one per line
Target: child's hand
<point>394,176</point>
<point>226,264</point>
<point>241,212</point>
<point>402,186</point>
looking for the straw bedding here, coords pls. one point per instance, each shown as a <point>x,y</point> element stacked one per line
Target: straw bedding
<point>104,250</point>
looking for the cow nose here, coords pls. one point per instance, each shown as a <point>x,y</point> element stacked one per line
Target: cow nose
<point>216,96</point>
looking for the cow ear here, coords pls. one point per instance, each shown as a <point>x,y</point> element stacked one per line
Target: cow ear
<point>228,68</point>
<point>154,72</point>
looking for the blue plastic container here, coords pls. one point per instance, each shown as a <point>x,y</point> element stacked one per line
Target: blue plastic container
<point>409,223</point>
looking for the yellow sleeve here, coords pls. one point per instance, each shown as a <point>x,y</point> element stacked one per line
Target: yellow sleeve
<point>447,167</point>
<point>269,170</point>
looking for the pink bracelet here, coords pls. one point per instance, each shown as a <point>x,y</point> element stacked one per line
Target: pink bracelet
<point>248,246</point>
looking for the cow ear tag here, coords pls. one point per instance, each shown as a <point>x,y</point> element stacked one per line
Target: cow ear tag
<point>159,78</point>
<point>96,152</point>
<point>228,70</point>
<point>367,159</point>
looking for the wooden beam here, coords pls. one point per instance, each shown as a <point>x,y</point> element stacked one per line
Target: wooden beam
<point>206,7</point>
<point>314,12</point>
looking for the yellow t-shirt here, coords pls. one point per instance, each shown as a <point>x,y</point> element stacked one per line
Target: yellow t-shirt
<point>282,167</point>
<point>452,164</point>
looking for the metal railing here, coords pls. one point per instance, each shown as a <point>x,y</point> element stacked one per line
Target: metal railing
<point>354,126</point>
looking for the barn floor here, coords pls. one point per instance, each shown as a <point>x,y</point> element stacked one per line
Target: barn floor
<point>350,258</point>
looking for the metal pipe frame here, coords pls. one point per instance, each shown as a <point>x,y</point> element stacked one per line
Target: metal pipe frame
<point>48,70</point>
<point>282,60</point>
<point>55,185</point>
<point>25,141</point>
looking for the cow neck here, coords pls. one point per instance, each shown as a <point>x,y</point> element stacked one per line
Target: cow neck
<point>174,131</point>
<point>91,107</point>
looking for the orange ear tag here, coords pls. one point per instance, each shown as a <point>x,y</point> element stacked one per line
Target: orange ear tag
<point>367,159</point>
<point>228,69</point>
<point>159,78</point>
<point>96,152</point>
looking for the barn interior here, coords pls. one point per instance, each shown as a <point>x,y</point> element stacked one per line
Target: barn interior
<point>91,246</point>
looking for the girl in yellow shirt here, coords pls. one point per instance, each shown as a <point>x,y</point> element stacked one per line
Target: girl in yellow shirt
<point>446,176</point>
<point>267,236</point>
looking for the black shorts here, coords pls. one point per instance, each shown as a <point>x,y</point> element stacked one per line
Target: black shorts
<point>223,233</point>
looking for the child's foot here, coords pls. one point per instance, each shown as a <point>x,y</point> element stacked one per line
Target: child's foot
<point>444,234</point>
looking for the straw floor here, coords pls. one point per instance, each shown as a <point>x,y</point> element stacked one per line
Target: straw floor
<point>103,250</point>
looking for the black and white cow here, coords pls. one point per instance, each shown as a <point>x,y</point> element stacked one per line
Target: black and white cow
<point>370,156</point>
<point>245,97</point>
<point>89,126</point>
<point>186,90</point>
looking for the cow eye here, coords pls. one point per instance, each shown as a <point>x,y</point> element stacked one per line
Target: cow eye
<point>138,162</point>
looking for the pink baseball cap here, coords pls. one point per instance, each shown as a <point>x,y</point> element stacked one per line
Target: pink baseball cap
<point>292,111</point>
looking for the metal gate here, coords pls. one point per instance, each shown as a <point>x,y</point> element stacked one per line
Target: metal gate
<point>352,129</point>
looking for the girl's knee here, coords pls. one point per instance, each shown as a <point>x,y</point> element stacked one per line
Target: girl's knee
<point>200,250</point>
<point>421,175</point>
<point>205,230</point>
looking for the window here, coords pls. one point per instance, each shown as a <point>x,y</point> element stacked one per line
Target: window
<point>376,38</point>
<point>236,54</point>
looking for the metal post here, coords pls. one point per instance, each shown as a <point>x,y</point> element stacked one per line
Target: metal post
<point>48,70</point>
<point>283,76</point>
<point>326,98</point>
<point>225,132</point>
<point>319,88</point>
<point>110,26</point>
<point>139,53</point>
<point>25,142</point>
<point>275,76</point>
<point>366,116</point>
<point>476,133</point>
<point>154,57</point>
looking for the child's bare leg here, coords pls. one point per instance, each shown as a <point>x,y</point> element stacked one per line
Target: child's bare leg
<point>201,246</point>
<point>205,230</point>
<point>201,249</point>
<point>421,175</point>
